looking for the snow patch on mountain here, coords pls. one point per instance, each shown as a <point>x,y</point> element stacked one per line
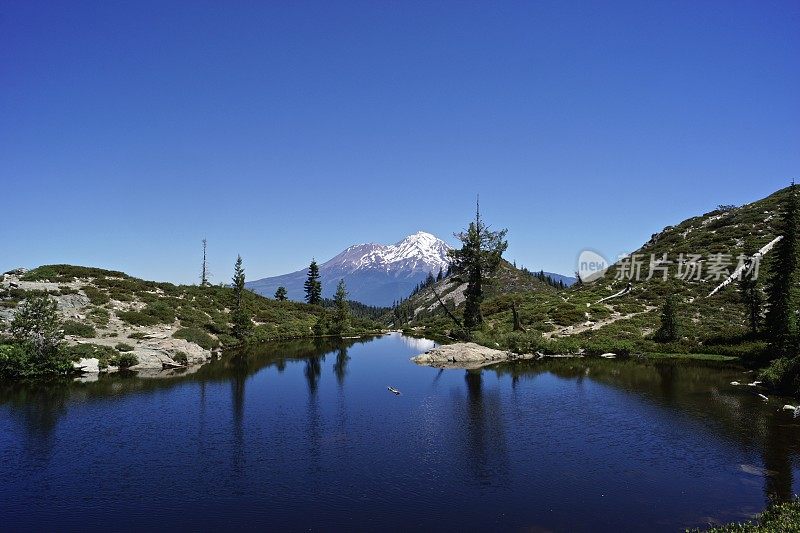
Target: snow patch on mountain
<point>374,273</point>
<point>420,252</point>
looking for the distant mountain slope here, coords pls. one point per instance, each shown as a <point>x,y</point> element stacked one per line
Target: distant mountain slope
<point>375,274</point>
<point>568,280</point>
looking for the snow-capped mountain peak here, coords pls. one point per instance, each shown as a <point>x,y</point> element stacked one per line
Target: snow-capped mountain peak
<point>422,248</point>
<point>420,252</point>
<point>374,273</point>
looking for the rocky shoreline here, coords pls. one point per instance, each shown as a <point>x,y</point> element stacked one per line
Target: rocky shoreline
<point>154,347</point>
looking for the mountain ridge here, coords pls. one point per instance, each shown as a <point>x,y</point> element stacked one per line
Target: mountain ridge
<point>375,274</point>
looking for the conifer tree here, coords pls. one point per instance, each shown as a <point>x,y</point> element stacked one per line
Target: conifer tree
<point>440,275</point>
<point>320,326</point>
<point>781,322</point>
<point>477,259</point>
<point>281,294</point>
<point>342,311</point>
<point>429,279</point>
<point>751,298</point>
<point>669,330</point>
<point>239,314</point>
<point>313,286</point>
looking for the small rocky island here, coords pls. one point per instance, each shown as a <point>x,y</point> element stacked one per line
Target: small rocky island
<point>466,355</point>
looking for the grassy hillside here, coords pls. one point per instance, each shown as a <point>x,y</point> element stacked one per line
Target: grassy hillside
<point>576,319</point>
<point>422,310</point>
<point>107,313</point>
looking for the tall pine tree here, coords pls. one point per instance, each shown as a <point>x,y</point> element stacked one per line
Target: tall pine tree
<point>781,322</point>
<point>478,258</point>
<point>239,315</point>
<point>281,294</point>
<point>313,286</point>
<point>341,319</point>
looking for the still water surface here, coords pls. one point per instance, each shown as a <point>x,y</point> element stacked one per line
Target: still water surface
<point>304,435</point>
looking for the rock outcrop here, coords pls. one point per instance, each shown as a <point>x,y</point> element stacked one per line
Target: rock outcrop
<point>466,355</point>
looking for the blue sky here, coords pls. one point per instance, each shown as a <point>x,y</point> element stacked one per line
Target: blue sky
<point>286,130</point>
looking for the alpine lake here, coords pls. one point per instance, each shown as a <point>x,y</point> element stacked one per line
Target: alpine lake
<point>304,435</point>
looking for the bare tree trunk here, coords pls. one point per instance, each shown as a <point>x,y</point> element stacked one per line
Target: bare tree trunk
<point>515,315</point>
<point>204,272</point>
<point>451,315</point>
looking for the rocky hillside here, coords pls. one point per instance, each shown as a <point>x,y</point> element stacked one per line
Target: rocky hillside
<point>107,313</point>
<point>424,309</point>
<point>621,311</point>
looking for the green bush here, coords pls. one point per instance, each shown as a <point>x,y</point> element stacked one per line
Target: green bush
<point>181,358</point>
<point>619,347</point>
<point>124,360</point>
<point>567,314</point>
<point>197,336</point>
<point>227,340</point>
<point>153,313</point>
<point>66,273</point>
<point>99,316</point>
<point>122,347</point>
<point>96,296</point>
<point>121,295</point>
<point>522,342</point>
<point>138,335</point>
<point>105,354</point>
<point>599,312</point>
<point>783,374</point>
<point>217,327</point>
<point>16,361</point>
<point>778,518</point>
<point>79,329</point>
<point>562,346</point>
<point>191,317</point>
<point>89,351</point>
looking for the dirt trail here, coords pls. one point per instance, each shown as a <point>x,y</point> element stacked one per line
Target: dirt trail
<point>594,326</point>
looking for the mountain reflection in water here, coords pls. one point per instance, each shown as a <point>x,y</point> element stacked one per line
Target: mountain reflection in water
<point>304,434</point>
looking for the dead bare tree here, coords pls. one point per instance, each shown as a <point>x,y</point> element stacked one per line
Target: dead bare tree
<point>449,313</point>
<point>515,316</point>
<point>204,273</point>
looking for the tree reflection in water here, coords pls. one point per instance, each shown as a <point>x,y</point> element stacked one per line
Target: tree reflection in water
<point>485,446</point>
<point>685,389</point>
<point>340,366</point>
<point>685,386</point>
